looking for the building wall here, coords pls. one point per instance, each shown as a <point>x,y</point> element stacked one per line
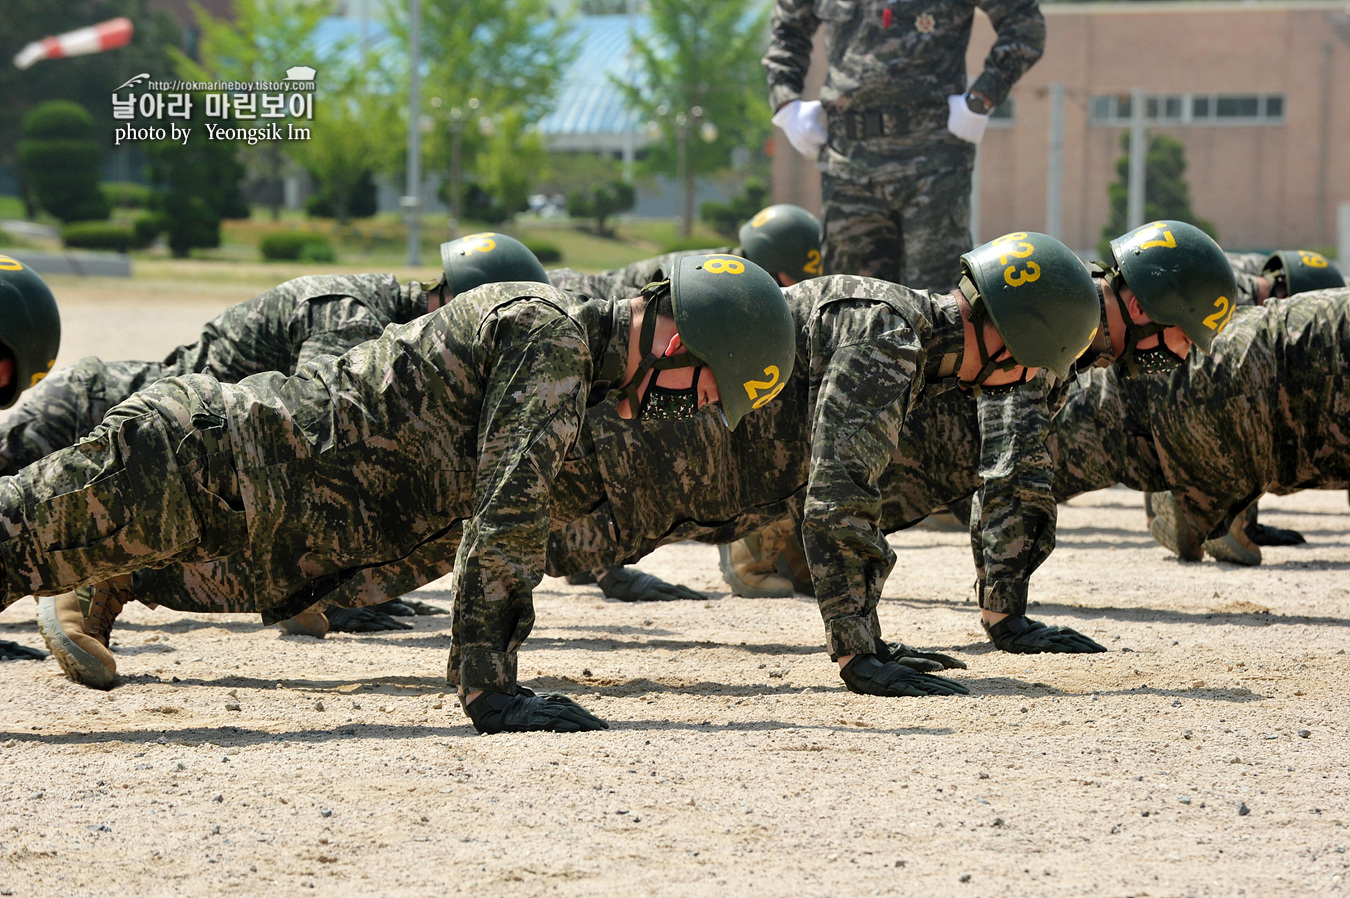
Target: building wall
<point>1263,185</point>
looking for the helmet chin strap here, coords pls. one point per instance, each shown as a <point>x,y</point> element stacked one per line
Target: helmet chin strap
<point>1135,333</point>
<point>988,366</point>
<point>650,361</point>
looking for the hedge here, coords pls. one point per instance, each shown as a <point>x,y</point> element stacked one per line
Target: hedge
<point>294,246</point>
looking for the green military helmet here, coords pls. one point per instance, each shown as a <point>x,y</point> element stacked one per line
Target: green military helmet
<point>488,258</point>
<point>1302,270</point>
<point>1039,296</point>
<point>1180,277</point>
<point>733,317</point>
<point>30,326</point>
<point>783,238</point>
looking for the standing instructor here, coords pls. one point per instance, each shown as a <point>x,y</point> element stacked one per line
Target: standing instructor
<point>895,128</point>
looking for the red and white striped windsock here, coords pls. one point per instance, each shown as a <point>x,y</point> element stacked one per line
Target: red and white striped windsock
<point>107,35</point>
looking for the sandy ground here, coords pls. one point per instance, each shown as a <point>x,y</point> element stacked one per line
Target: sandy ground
<point>1205,755</point>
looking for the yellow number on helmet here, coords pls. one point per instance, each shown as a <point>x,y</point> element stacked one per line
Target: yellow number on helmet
<point>478,243</point>
<point>762,217</point>
<point>1009,238</point>
<point>812,265</point>
<point>1021,252</point>
<point>724,266</point>
<point>754,388</point>
<point>8,264</point>
<point>1219,319</point>
<point>1312,260</point>
<point>1016,278</point>
<point>1167,240</point>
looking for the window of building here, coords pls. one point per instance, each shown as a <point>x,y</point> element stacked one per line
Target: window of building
<point>1115,110</point>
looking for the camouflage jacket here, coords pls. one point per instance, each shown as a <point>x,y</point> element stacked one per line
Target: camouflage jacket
<point>622,283</point>
<point>830,450</point>
<point>297,321</point>
<point>440,439</point>
<point>1247,269</point>
<point>1265,411</point>
<point>276,331</point>
<point>901,58</point>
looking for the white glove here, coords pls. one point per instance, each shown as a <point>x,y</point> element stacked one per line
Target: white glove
<point>804,125</point>
<point>962,122</point>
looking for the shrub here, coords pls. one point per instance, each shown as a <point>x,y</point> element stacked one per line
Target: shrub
<point>98,235</point>
<point>147,228</point>
<point>546,253</point>
<point>125,195</point>
<point>317,251</point>
<point>294,246</point>
<point>60,161</point>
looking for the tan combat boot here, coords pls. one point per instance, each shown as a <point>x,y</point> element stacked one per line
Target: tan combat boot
<point>1170,528</point>
<point>78,642</point>
<point>1236,546</point>
<point>306,623</point>
<point>749,573</point>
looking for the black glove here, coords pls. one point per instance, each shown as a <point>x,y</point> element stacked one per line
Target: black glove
<point>1274,536</point>
<point>12,651</point>
<point>497,712</point>
<point>581,578</point>
<point>406,607</point>
<point>368,619</point>
<point>918,659</point>
<point>1020,635</point>
<point>868,675</point>
<point>630,585</point>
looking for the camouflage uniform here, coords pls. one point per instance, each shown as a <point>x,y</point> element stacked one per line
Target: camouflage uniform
<point>358,469</point>
<point>871,356</point>
<point>896,182</point>
<point>1265,411</point>
<point>1247,267</point>
<point>277,331</point>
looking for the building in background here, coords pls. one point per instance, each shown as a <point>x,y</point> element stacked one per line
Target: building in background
<point>1257,92</point>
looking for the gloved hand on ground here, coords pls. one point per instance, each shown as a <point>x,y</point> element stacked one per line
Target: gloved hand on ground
<point>368,619</point>
<point>497,712</point>
<point>13,651</point>
<point>631,585</point>
<point>869,675</point>
<point>1020,635</point>
<point>918,659</point>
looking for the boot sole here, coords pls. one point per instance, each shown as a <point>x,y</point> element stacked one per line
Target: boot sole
<point>1170,530</point>
<point>739,587</point>
<point>77,664</point>
<point>1226,548</point>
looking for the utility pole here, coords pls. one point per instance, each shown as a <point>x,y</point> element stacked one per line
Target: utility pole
<point>412,198</point>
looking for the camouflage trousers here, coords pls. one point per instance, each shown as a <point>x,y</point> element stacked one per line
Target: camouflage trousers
<point>66,405</point>
<point>908,231</point>
<point>152,485</point>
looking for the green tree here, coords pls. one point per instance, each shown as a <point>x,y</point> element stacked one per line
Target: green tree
<point>263,40</point>
<point>349,140</point>
<point>199,181</point>
<point>601,203</point>
<point>1166,193</point>
<point>511,160</point>
<point>59,158</point>
<point>727,218</point>
<point>507,55</point>
<point>701,62</point>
